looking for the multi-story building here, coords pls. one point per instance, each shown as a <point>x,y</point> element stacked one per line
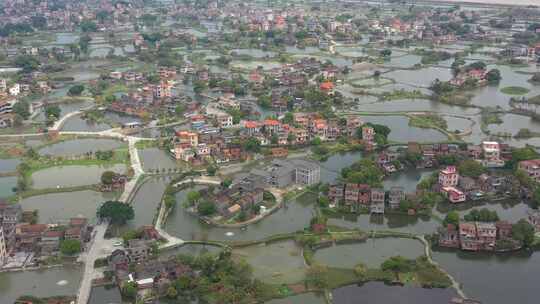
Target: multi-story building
<point>486,235</point>
<point>138,250</point>
<point>224,120</point>
<point>453,194</point>
<point>306,172</point>
<point>492,154</point>
<point>396,195</point>
<point>10,215</point>
<point>186,137</point>
<point>368,134</point>
<point>532,167</point>
<point>448,177</point>
<point>468,236</point>
<point>377,196</point>
<point>3,248</point>
<point>162,90</point>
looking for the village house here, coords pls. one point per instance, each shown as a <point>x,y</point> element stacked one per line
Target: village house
<point>449,236</point>
<point>453,194</point>
<point>138,250</point>
<point>448,177</point>
<point>468,236</point>
<point>117,184</point>
<point>396,195</point>
<point>532,168</point>
<point>491,154</point>
<point>3,247</point>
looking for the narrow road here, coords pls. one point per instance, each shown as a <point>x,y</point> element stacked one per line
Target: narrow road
<point>455,284</point>
<point>94,252</point>
<point>99,247</point>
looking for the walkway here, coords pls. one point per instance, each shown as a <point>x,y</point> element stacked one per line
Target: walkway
<point>94,252</point>
<point>173,241</point>
<point>60,123</point>
<point>427,251</point>
<point>99,247</point>
<point>200,180</point>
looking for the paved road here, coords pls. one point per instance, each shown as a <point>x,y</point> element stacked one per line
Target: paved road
<point>100,247</point>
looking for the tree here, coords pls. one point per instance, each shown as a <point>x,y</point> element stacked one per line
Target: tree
<point>536,198</point>
<point>323,201</point>
<point>129,290</point>
<point>211,170</point>
<point>107,177</point>
<point>39,22</point>
<point>102,15</point>
<point>27,63</point>
<point>317,276</point>
<point>88,26</point>
<point>364,171</point>
<point>386,53</point>
<point>316,141</point>
<point>206,208</point>
<point>193,197</point>
<point>397,264</point>
<point>471,168</point>
<point>252,144</point>
<point>482,215</point>
<point>84,43</point>
<point>523,231</point>
<point>76,90</point>
<point>172,293</point>
<point>52,112</point>
<point>493,76</point>
<point>288,118</point>
<point>451,218</point>
<point>22,108</point>
<point>360,270</point>
<point>117,212</point>
<point>226,183</point>
<point>70,247</point>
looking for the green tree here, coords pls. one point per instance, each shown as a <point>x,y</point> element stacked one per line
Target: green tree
<point>536,198</point>
<point>76,90</point>
<point>252,144</point>
<point>386,53</point>
<point>360,270</point>
<point>107,177</point>
<point>365,171</point>
<point>397,264</point>
<point>27,63</point>
<point>206,208</point>
<point>117,212</point>
<point>172,293</point>
<point>317,276</point>
<point>493,76</point>
<point>193,197</point>
<point>482,215</point>
<point>471,168</point>
<point>22,108</point>
<point>52,112</point>
<point>226,183</point>
<point>523,231</point>
<point>211,170</point>
<point>70,247</point>
<point>102,16</point>
<point>88,26</point>
<point>129,290</point>
<point>451,218</point>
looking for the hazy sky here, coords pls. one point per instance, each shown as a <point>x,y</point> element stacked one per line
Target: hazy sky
<point>512,2</point>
